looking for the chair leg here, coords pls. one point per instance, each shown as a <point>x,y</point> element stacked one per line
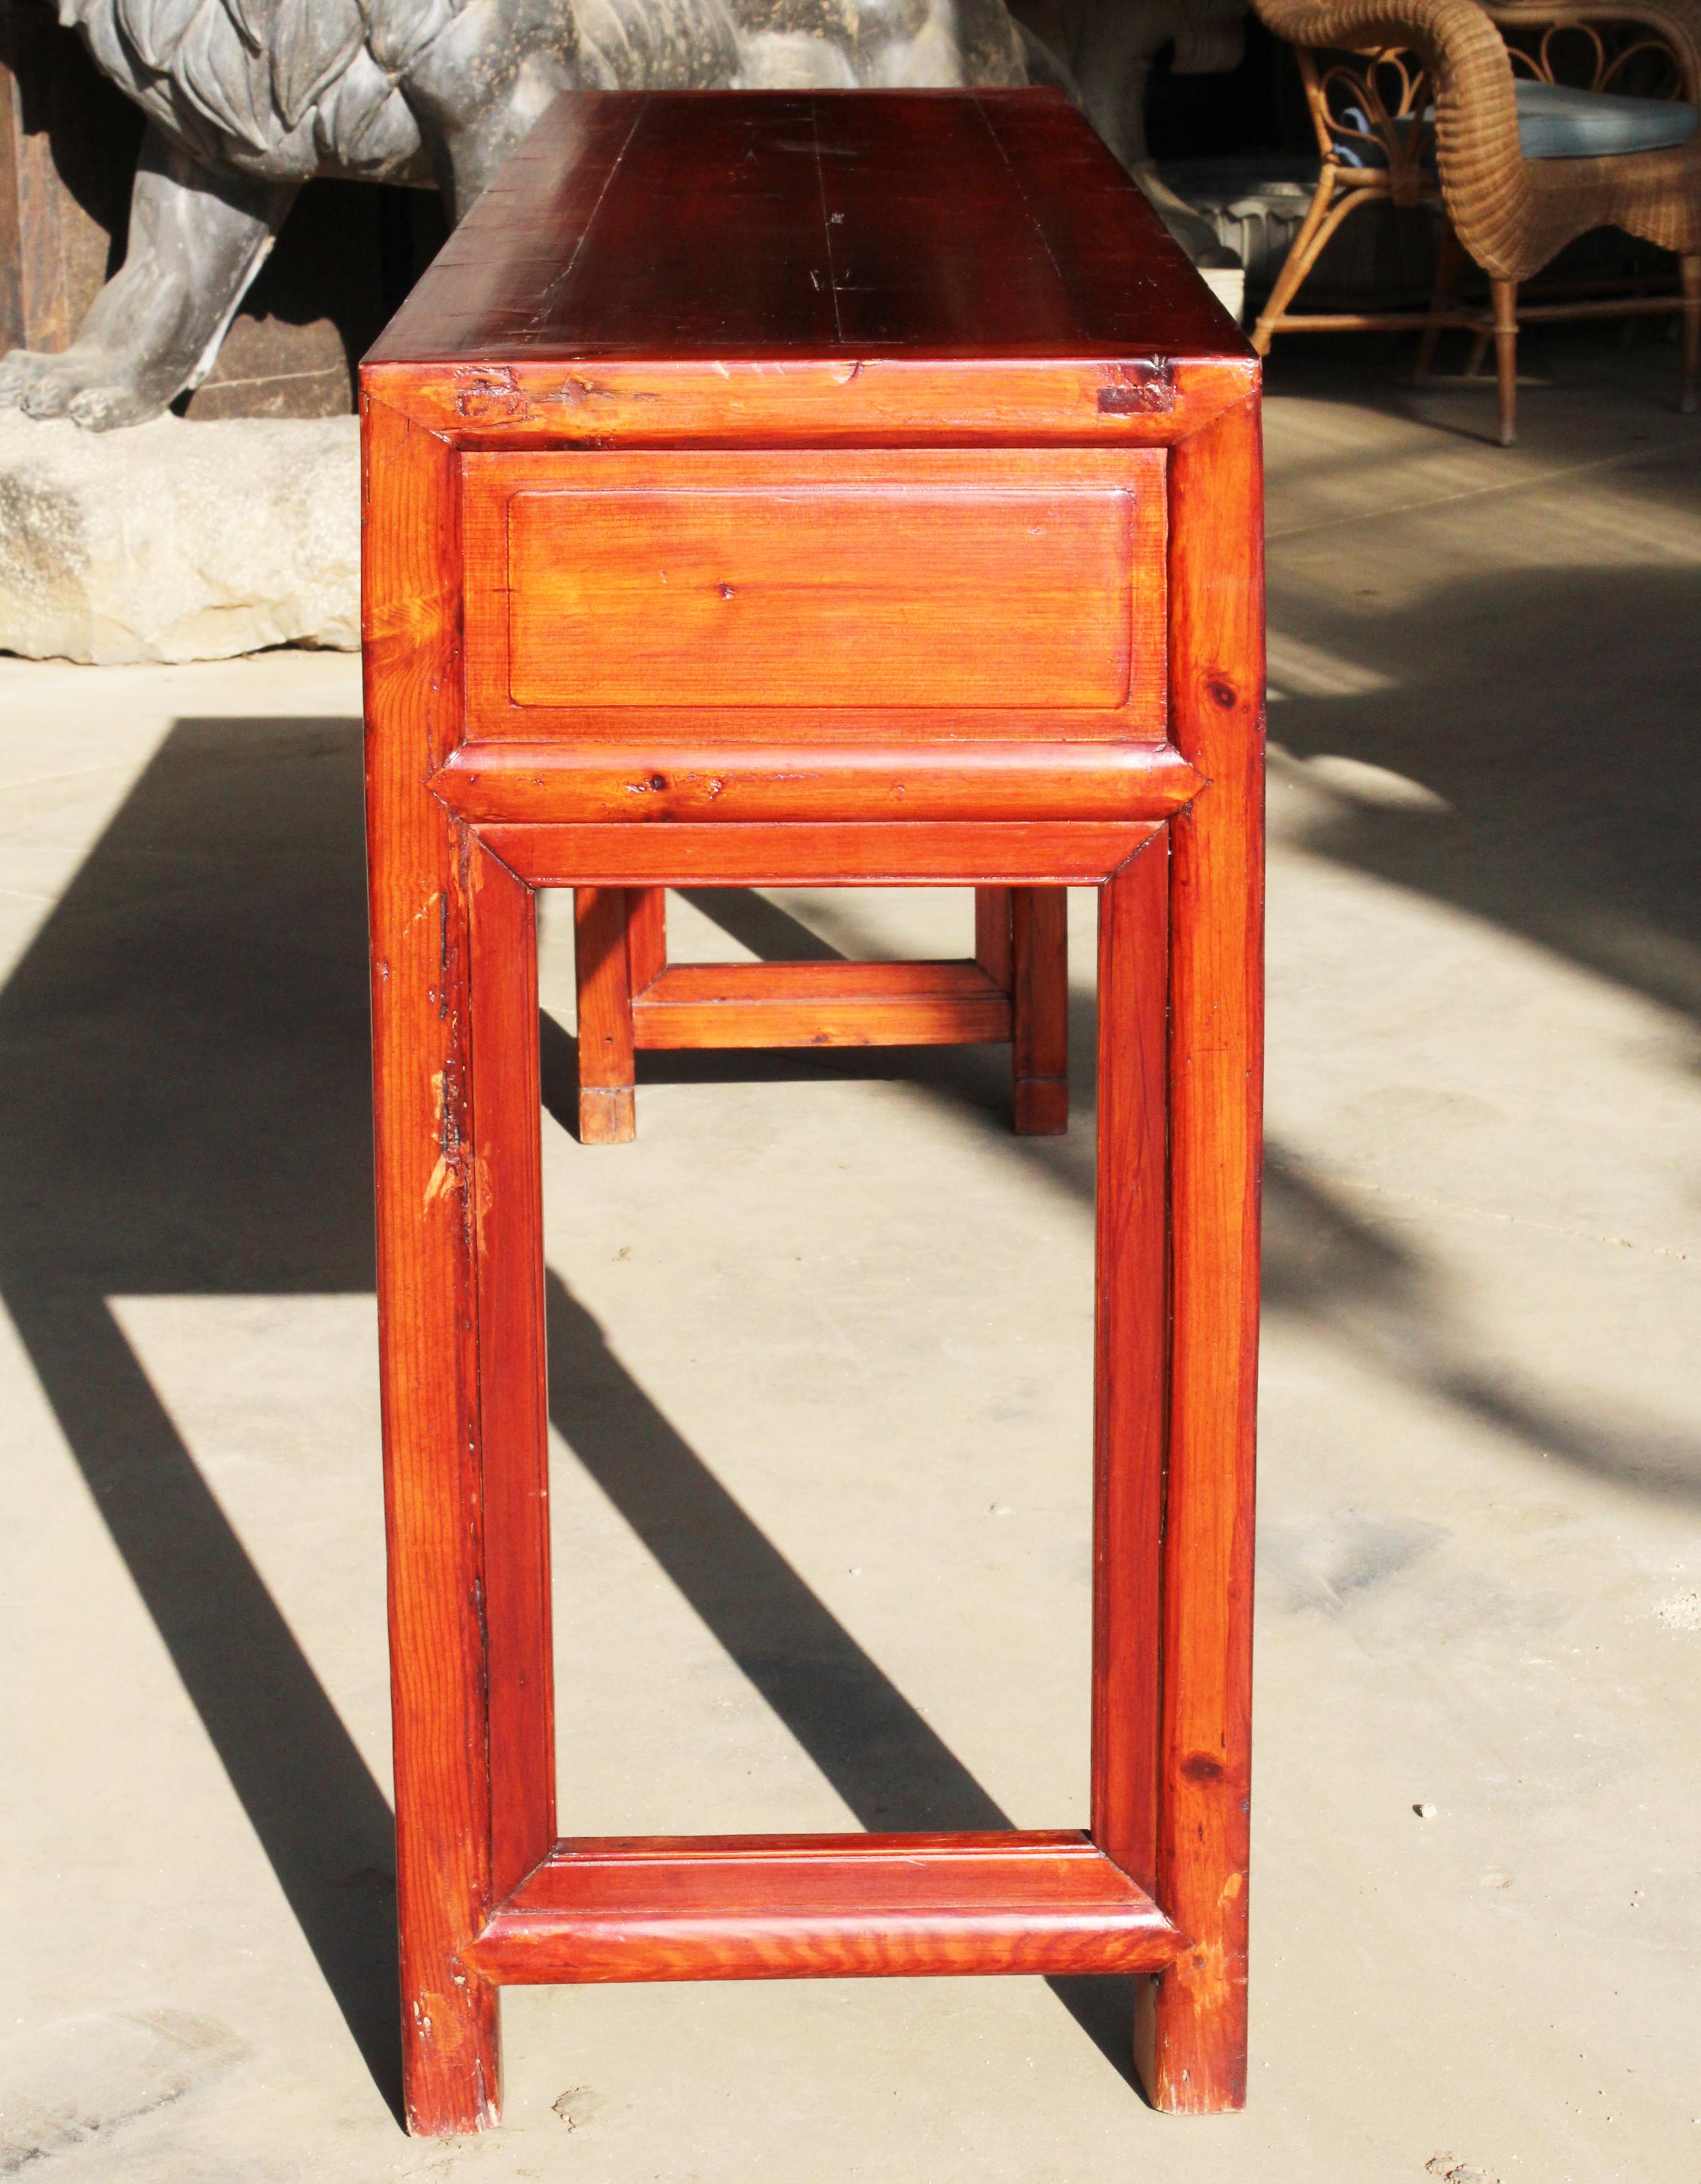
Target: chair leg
<point>1302,254</point>
<point>1689,269</point>
<point>1506,357</point>
<point>1039,1010</point>
<point>1450,263</point>
<point>607,1111</point>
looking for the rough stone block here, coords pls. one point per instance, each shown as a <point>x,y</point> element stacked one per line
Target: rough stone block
<point>177,541</point>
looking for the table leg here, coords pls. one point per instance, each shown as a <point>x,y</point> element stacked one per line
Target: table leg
<point>645,936</point>
<point>460,1306</point>
<point>1039,1010</point>
<point>428,1355</point>
<point>428,1348</point>
<point>1191,2024</point>
<point>461,1320</point>
<point>992,937</point>
<point>607,1111</point>
<point>1131,1279</point>
<point>507,1244</point>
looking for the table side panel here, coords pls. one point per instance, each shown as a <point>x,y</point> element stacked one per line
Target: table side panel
<point>917,594</point>
<point>837,595</point>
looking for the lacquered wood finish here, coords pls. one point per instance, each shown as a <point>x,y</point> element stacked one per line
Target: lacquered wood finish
<point>845,596</point>
<point>994,941</point>
<point>823,1004</point>
<point>571,320</point>
<point>645,582</point>
<point>1039,1005</point>
<point>757,1005</point>
<point>506,1190</point>
<point>607,1102</point>
<point>823,1907</point>
<point>1131,1288</point>
<point>427,1286</point>
<point>556,315</point>
<point>954,854</point>
<point>1192,2035</point>
<point>974,228</point>
<point>546,784</point>
<point>646,935</point>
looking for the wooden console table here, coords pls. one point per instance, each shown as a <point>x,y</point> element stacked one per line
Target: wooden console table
<point>837,489</point>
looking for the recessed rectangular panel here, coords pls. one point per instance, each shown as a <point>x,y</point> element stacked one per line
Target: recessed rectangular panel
<point>863,594</point>
<point>813,596</point>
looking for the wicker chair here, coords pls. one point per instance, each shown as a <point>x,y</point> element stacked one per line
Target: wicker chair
<point>1463,104</point>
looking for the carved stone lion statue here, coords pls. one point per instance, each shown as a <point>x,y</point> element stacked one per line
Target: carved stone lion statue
<point>248,99</point>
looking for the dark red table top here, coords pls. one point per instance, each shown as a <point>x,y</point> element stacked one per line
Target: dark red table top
<point>756,225</point>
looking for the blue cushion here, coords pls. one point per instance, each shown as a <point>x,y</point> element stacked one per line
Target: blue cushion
<point>1555,122</point>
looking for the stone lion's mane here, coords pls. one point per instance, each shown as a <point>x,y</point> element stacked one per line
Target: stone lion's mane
<point>284,89</point>
<point>289,86</point>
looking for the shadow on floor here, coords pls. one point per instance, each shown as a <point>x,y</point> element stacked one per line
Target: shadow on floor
<point>1580,387</point>
<point>183,1058</point>
<point>1552,717</point>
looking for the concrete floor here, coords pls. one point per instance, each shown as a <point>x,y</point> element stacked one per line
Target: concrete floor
<point>820,1345</point>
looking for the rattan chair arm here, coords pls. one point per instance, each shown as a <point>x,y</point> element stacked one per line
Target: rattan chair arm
<point>1481,166</point>
<point>1455,34</point>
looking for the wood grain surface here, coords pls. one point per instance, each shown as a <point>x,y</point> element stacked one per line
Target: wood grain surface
<point>1192,2025</point>
<point>823,1907</point>
<point>757,1005</point>
<point>710,1006</point>
<point>1047,853</point>
<point>917,593</point>
<point>1130,1368</point>
<point>505,1193</point>
<point>772,592</point>
<point>427,1300</point>
<point>774,225</point>
<point>541,784</point>
<point>645,936</point>
<point>607,1113</point>
<point>994,940</point>
<point>756,268</point>
<point>1039,1000</point>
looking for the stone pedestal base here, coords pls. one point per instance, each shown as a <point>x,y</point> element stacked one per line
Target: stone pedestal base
<point>178,540</point>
